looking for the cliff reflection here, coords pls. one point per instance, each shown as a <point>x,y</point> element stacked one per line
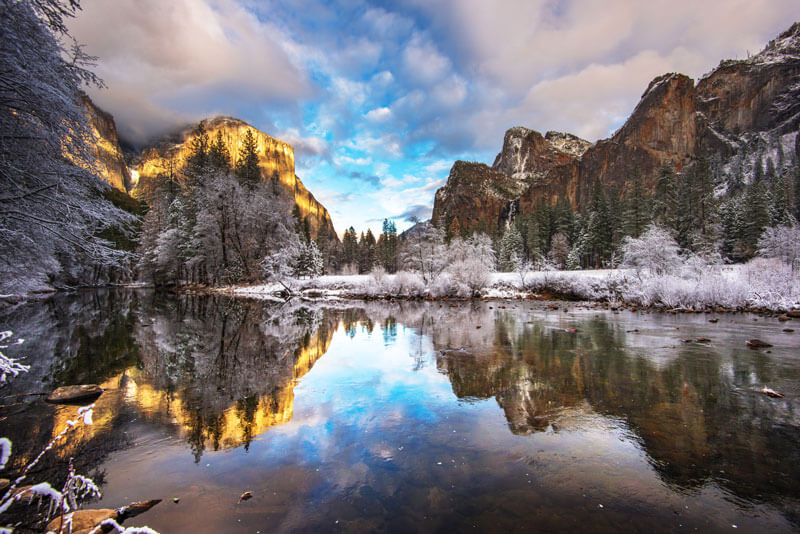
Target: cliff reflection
<point>216,372</point>
<point>694,412</point>
<point>223,371</point>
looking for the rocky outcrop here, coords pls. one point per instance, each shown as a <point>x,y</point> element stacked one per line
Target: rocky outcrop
<point>276,160</point>
<point>756,94</point>
<point>661,129</point>
<point>476,198</point>
<point>109,161</point>
<point>528,155</point>
<point>676,122</point>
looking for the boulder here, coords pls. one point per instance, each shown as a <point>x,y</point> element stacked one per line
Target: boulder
<point>74,394</point>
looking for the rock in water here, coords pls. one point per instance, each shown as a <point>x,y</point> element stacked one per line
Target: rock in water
<point>771,393</point>
<point>70,394</point>
<point>83,521</point>
<point>757,344</point>
<point>136,508</point>
<point>246,495</point>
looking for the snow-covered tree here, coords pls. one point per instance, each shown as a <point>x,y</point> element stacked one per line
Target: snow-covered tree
<point>559,250</point>
<point>308,261</point>
<point>471,261</point>
<point>424,251</point>
<point>655,251</point>
<point>512,250</point>
<point>782,242</point>
<point>52,202</point>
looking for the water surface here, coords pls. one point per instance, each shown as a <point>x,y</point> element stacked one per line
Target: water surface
<point>478,416</point>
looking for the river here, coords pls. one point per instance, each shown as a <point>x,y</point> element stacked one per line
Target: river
<point>414,416</point>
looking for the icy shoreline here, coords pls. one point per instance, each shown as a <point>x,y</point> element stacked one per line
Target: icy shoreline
<point>761,286</point>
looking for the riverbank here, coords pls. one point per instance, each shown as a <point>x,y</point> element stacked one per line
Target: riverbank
<point>760,286</point>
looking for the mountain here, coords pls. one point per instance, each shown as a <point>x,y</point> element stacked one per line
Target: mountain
<point>276,160</point>
<point>677,121</point>
<point>110,161</point>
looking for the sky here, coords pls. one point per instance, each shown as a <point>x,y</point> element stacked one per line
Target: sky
<point>379,98</point>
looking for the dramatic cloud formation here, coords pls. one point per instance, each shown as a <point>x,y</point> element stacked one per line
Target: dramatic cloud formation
<point>379,98</point>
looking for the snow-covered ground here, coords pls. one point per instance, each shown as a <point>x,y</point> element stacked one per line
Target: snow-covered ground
<point>760,283</point>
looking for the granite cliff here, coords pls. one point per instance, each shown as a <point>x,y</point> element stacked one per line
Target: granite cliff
<point>676,121</point>
<point>109,160</point>
<point>276,160</point>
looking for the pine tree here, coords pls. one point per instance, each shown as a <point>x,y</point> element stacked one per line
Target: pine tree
<point>779,209</point>
<point>197,161</point>
<point>512,250</point>
<point>756,216</point>
<point>602,225</point>
<point>732,216</point>
<point>770,174</point>
<point>686,214</point>
<point>703,189</point>
<point>324,246</point>
<point>218,155</point>
<point>387,246</point>
<point>309,261</point>
<point>758,170</point>
<point>367,252</point>
<point>665,200</point>
<point>247,169</point>
<point>637,209</point>
<point>350,247</point>
<point>533,239</point>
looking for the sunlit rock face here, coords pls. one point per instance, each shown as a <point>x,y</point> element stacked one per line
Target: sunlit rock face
<point>675,122</point>
<point>110,162</point>
<point>276,159</point>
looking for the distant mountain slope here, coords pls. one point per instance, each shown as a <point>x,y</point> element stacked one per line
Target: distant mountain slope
<point>676,122</point>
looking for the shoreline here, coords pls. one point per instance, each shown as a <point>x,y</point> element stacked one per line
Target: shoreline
<point>732,289</point>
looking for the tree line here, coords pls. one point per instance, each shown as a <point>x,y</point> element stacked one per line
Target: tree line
<point>216,222</point>
<point>713,211</point>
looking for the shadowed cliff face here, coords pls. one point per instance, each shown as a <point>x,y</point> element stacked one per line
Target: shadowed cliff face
<point>276,160</point>
<point>109,159</point>
<point>675,122</point>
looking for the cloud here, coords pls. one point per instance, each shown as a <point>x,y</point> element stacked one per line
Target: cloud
<point>418,211</point>
<point>370,179</point>
<point>367,93</point>
<point>183,59</point>
<point>423,61</point>
<point>310,146</point>
<point>378,114</point>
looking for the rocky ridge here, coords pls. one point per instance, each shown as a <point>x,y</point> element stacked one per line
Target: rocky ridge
<point>276,160</point>
<point>109,161</point>
<point>134,174</point>
<point>675,122</point>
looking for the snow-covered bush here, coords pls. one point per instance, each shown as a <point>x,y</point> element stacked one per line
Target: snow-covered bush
<point>9,366</point>
<point>407,284</point>
<point>426,253</point>
<point>781,242</point>
<point>471,263</point>
<point>655,252</point>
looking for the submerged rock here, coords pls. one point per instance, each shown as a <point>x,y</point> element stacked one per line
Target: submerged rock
<point>68,394</point>
<point>757,344</point>
<point>771,393</point>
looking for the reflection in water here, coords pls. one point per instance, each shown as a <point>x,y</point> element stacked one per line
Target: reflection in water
<point>605,411</point>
